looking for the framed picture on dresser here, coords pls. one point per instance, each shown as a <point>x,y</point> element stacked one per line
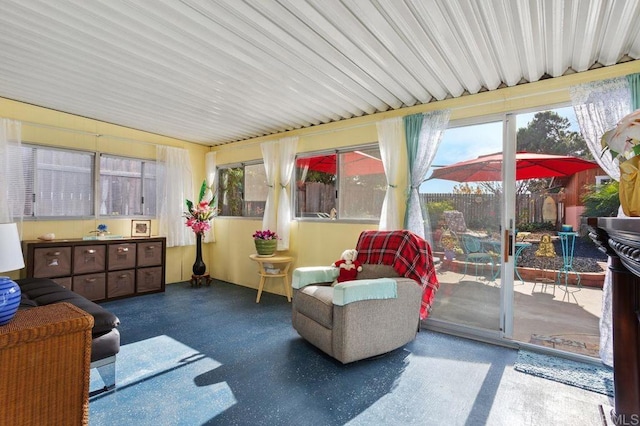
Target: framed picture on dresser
<point>140,228</point>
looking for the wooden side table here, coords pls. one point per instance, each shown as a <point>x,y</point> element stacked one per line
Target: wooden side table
<point>281,265</point>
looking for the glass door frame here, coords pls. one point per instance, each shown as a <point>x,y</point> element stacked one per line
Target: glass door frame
<point>503,335</point>
<point>507,268</point>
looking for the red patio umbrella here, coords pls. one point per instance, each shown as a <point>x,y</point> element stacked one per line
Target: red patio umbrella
<point>353,163</point>
<point>528,166</point>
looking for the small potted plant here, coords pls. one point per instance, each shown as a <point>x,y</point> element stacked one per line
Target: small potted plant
<point>450,245</point>
<point>266,242</point>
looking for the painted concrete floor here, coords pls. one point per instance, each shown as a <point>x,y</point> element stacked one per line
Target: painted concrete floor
<point>241,363</point>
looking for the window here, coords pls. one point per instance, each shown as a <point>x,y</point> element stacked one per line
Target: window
<point>58,183</point>
<point>242,190</point>
<point>127,187</point>
<point>347,184</point>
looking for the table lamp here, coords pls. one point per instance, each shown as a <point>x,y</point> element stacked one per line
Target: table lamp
<point>10,260</point>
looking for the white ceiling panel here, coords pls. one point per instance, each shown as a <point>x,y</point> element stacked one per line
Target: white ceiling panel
<point>219,71</point>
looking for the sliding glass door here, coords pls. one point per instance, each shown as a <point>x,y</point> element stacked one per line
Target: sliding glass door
<point>464,197</point>
<point>515,262</point>
<point>558,288</point>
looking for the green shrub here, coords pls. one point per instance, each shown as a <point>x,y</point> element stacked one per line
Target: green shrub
<point>601,200</point>
<point>436,208</point>
<point>536,227</point>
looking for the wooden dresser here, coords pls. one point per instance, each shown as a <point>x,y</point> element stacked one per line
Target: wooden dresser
<point>100,269</point>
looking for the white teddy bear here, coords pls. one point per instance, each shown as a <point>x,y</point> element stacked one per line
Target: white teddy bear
<point>349,265</point>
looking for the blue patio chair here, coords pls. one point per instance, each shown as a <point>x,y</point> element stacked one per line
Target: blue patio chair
<point>475,253</point>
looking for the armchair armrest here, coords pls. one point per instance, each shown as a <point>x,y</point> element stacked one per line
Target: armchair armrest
<point>353,291</point>
<point>307,275</point>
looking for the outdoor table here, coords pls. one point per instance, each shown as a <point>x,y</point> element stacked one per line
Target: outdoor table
<point>568,241</point>
<point>520,246</point>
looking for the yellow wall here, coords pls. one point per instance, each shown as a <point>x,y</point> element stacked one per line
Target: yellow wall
<point>53,128</point>
<point>321,243</point>
<point>312,243</point>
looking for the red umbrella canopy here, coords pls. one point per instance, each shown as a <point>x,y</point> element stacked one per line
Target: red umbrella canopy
<point>528,166</point>
<point>353,163</point>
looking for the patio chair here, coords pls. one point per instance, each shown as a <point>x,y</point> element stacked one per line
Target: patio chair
<point>475,253</point>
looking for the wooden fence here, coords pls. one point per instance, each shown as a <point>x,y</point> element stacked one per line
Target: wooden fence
<point>482,211</point>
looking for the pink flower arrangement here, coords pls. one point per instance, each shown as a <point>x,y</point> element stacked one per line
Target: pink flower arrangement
<point>265,235</point>
<point>199,215</point>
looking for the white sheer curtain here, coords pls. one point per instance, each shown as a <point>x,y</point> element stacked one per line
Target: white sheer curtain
<point>11,177</point>
<point>270,156</point>
<point>599,106</point>
<point>174,185</point>
<point>433,126</point>
<point>389,140</point>
<point>288,147</point>
<point>212,185</point>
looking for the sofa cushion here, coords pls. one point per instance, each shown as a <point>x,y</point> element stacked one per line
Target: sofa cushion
<point>316,302</point>
<point>43,291</point>
<point>105,345</point>
<point>25,302</point>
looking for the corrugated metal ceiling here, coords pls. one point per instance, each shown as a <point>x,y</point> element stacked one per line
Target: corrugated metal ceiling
<point>219,71</point>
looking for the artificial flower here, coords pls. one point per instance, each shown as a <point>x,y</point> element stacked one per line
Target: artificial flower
<point>101,229</point>
<point>623,141</point>
<point>199,215</point>
<point>265,235</point>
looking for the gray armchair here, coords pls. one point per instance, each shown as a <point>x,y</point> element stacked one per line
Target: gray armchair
<point>359,319</point>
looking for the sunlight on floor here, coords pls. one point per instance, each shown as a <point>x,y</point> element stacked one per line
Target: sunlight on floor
<point>149,371</point>
<point>545,316</point>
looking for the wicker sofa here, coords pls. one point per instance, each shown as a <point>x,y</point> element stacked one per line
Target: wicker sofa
<point>44,366</point>
<point>105,338</point>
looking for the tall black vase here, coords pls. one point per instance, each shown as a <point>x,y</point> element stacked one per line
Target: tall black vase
<point>199,267</point>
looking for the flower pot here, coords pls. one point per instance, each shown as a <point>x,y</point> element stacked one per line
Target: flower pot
<point>630,186</point>
<point>266,247</point>
<point>449,254</point>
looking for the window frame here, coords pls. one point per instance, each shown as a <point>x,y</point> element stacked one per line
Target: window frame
<point>31,198</point>
<point>243,200</point>
<point>95,183</point>
<point>337,152</point>
<point>143,179</point>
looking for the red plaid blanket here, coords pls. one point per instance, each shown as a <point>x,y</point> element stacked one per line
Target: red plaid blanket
<point>409,255</point>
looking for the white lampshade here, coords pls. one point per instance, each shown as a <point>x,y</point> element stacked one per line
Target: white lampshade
<point>10,248</point>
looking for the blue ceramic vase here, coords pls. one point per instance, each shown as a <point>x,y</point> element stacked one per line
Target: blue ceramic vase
<point>9,299</point>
